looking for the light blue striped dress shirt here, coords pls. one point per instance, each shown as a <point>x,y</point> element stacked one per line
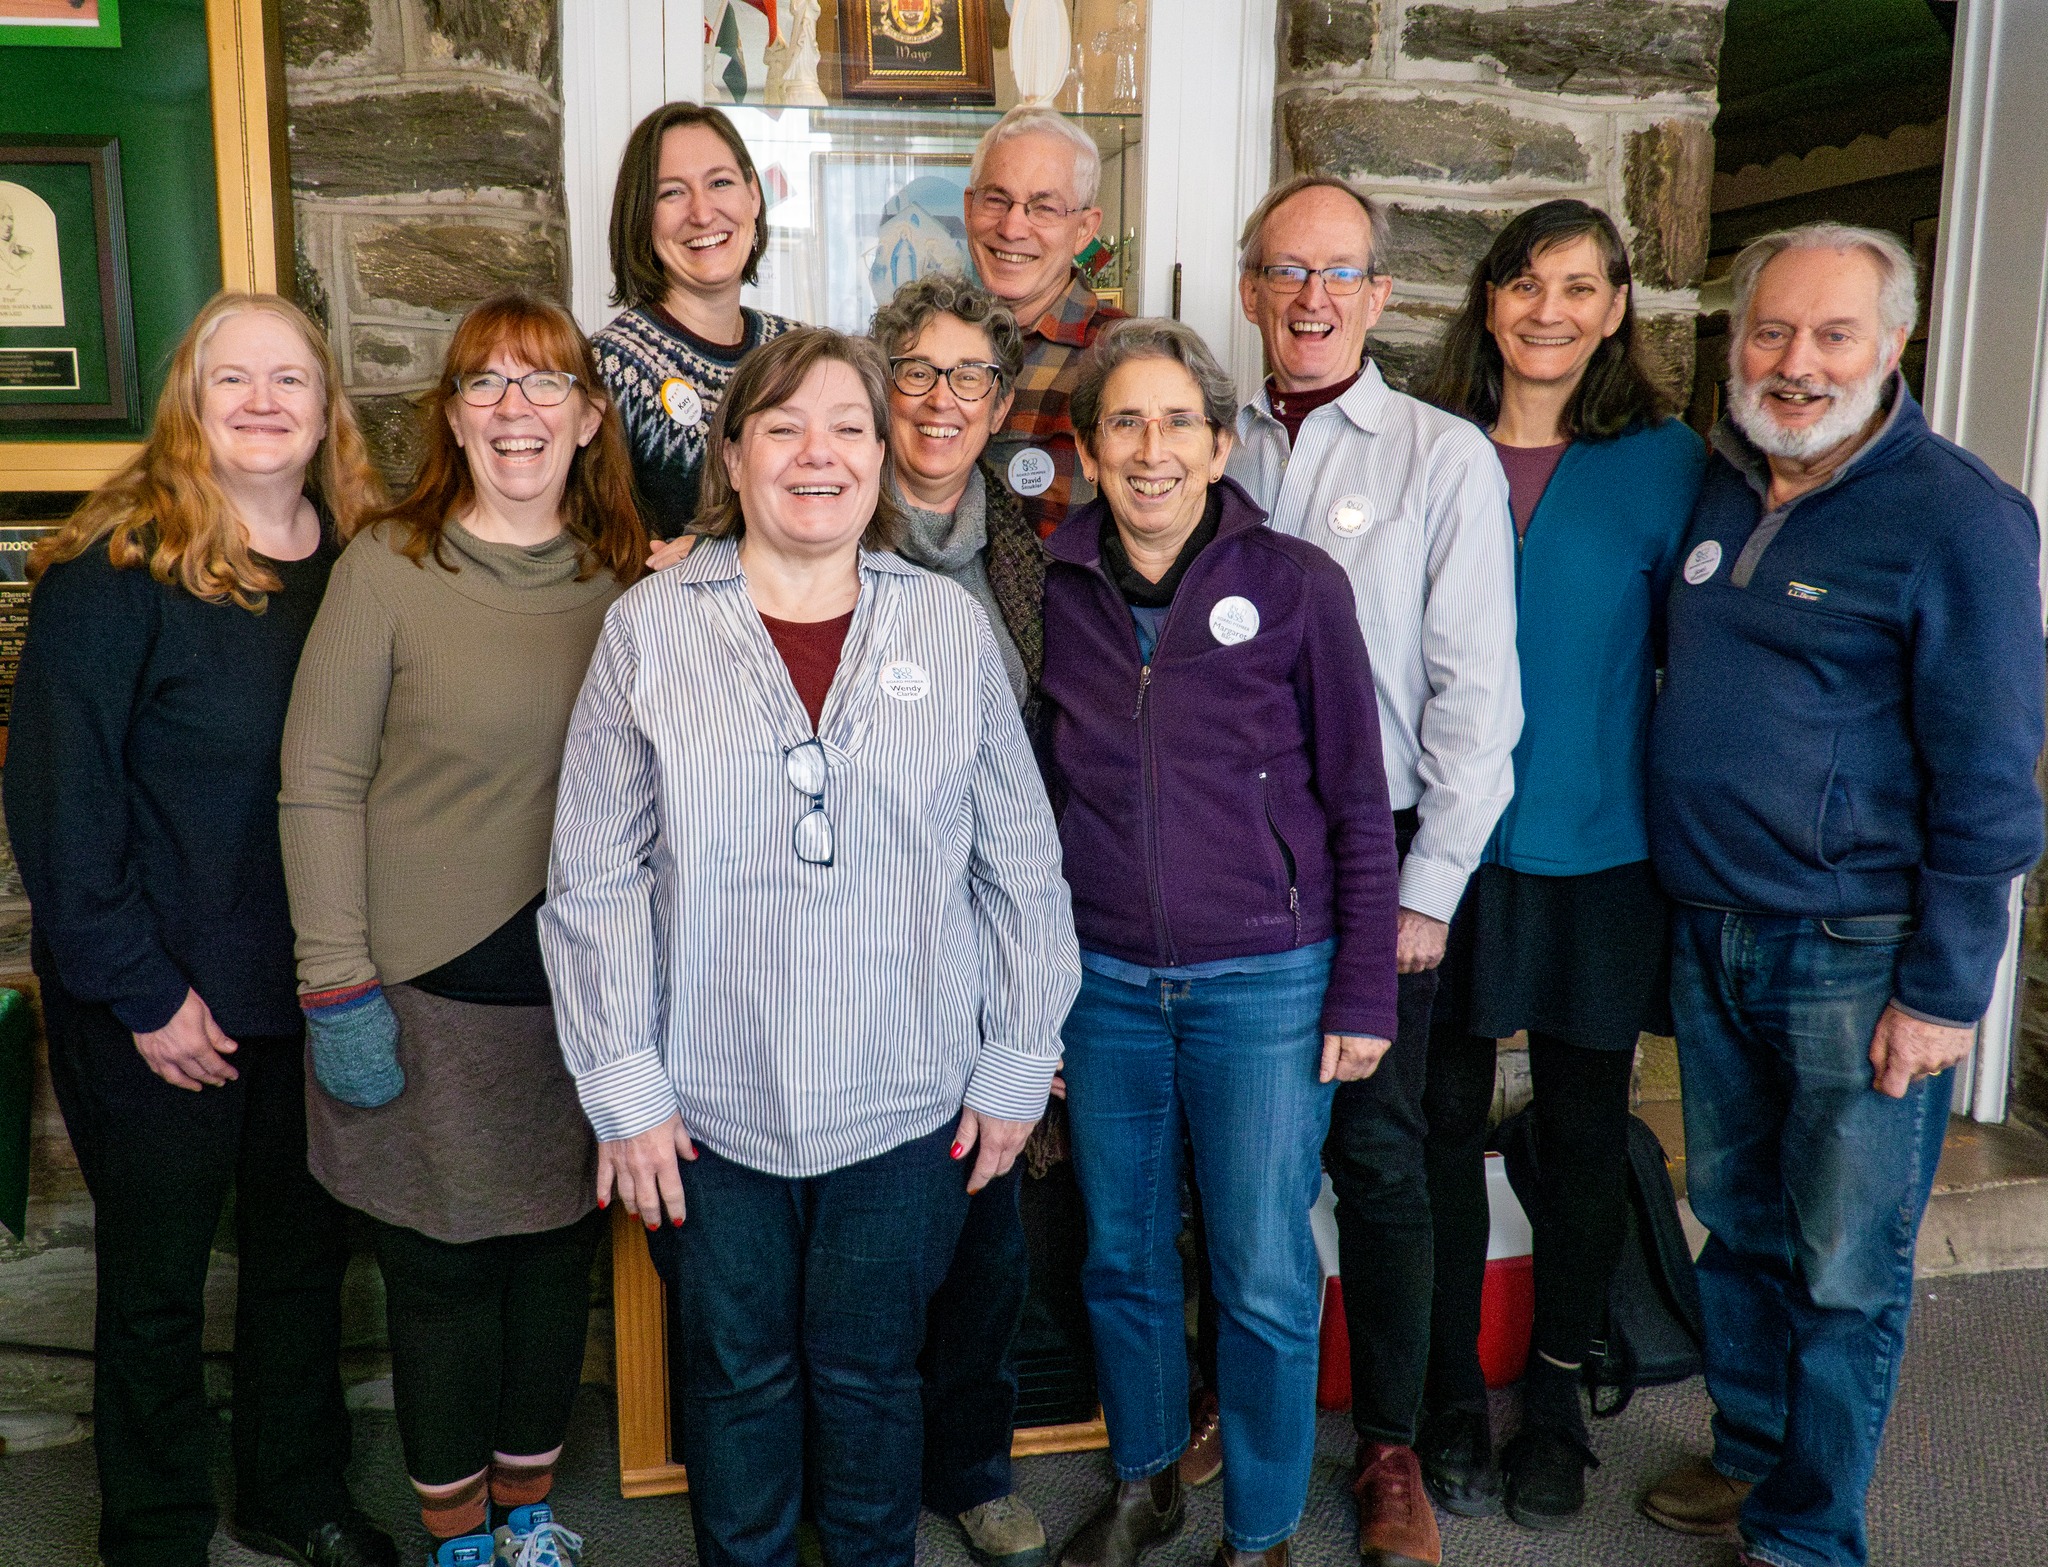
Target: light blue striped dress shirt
<point>1412,503</point>
<point>802,1017</point>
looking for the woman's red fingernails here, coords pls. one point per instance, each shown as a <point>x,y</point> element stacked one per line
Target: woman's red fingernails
<point>678,1223</point>
<point>958,1150</point>
<point>604,1202</point>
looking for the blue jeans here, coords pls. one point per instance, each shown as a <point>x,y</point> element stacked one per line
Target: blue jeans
<point>1234,1059</point>
<point>970,1378</point>
<point>1812,1185</point>
<point>802,1313</point>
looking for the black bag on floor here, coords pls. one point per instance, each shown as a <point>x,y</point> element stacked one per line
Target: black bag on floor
<point>1651,1333</point>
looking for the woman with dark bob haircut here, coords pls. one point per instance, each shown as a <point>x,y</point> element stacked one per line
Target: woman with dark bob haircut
<point>1562,930</point>
<point>420,763</point>
<point>810,950</point>
<point>688,228</point>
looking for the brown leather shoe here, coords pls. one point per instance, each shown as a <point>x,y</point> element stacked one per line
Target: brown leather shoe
<point>1228,1555</point>
<point>1696,1498</point>
<point>1203,1460</point>
<point>1139,1516</point>
<point>1396,1524</point>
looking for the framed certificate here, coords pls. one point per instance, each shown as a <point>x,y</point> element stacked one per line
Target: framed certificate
<point>67,334</point>
<point>930,51</point>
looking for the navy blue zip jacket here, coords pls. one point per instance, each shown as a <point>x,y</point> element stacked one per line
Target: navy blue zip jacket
<point>1853,703</point>
<point>1228,799</point>
<point>1590,583</point>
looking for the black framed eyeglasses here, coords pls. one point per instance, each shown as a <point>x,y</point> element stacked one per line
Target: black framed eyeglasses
<point>971,379</point>
<point>804,766</point>
<point>542,388</point>
<point>1288,281</point>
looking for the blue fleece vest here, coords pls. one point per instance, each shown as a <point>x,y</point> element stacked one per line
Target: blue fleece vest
<point>1590,580</point>
<point>1853,705</point>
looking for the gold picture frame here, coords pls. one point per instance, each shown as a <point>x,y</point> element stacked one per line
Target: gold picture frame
<point>245,68</point>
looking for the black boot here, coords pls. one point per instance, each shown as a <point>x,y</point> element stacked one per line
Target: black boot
<point>1544,1467</point>
<point>1456,1450</point>
<point>1140,1515</point>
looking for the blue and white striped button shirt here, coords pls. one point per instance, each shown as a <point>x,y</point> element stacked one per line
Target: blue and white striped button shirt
<point>1413,504</point>
<point>803,1017</point>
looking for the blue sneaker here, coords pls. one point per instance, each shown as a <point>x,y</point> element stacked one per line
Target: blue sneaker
<point>467,1550</point>
<point>530,1537</point>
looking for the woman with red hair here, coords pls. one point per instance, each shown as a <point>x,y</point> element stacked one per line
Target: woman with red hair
<point>420,764</point>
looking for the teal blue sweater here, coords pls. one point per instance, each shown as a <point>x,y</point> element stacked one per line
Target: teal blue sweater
<point>1590,581</point>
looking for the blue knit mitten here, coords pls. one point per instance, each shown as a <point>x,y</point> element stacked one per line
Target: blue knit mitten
<point>354,1036</point>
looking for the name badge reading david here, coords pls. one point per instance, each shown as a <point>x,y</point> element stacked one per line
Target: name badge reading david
<point>905,681</point>
<point>1703,562</point>
<point>679,400</point>
<point>1031,471</point>
<point>1350,517</point>
<point>1234,620</point>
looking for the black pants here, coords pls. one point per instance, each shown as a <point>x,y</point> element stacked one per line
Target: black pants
<point>1385,1243</point>
<point>1580,1217</point>
<point>970,1380</point>
<point>486,1342</point>
<point>159,1161</point>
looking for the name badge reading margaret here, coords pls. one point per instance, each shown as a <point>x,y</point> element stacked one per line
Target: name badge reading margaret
<point>1234,620</point>
<point>1031,472</point>
<point>679,400</point>
<point>905,681</point>
<point>1350,517</point>
<point>1703,562</point>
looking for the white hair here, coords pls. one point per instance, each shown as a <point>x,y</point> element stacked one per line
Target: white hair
<point>1898,305</point>
<point>1038,120</point>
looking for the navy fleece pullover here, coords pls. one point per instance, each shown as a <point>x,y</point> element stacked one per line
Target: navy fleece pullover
<point>1853,703</point>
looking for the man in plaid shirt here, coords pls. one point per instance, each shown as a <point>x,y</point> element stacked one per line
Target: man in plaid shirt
<point>1030,210</point>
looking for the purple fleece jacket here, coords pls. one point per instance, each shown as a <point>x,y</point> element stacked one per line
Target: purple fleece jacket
<point>1230,798</point>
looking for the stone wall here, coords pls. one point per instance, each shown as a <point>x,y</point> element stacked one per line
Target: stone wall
<point>426,170</point>
<point>1460,115</point>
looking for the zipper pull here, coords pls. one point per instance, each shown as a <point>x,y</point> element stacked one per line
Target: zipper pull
<point>1144,680</point>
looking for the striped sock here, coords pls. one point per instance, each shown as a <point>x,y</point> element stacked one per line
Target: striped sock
<point>450,1511</point>
<point>522,1481</point>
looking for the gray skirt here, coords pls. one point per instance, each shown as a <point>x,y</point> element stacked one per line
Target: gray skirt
<point>487,1139</point>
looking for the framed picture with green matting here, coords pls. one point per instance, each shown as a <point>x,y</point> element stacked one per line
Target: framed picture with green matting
<point>67,334</point>
<point>61,24</point>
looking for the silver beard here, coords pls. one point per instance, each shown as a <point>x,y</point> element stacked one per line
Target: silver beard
<point>1853,406</point>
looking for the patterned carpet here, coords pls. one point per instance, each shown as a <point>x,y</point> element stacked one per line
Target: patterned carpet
<point>1960,1481</point>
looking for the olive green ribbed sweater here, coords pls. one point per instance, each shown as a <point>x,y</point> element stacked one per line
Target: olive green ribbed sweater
<point>423,746</point>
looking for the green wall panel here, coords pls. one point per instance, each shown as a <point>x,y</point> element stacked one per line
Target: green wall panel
<point>152,93</point>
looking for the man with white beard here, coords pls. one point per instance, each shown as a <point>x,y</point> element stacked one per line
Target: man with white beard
<point>1841,792</point>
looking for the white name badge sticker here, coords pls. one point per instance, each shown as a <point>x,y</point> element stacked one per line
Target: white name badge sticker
<point>1031,471</point>
<point>1350,517</point>
<point>905,681</point>
<point>1703,562</point>
<point>679,400</point>
<point>1234,620</point>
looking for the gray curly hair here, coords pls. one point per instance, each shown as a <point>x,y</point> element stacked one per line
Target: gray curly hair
<point>899,323</point>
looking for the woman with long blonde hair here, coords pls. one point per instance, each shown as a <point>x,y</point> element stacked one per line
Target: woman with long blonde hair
<point>142,779</point>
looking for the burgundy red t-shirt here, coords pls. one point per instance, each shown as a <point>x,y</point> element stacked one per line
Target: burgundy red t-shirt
<point>1290,408</point>
<point>810,650</point>
<point>1528,469</point>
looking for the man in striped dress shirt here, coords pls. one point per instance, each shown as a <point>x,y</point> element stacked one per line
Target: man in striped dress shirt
<point>1412,503</point>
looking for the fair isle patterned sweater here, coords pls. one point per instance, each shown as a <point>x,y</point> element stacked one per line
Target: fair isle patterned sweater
<point>643,350</point>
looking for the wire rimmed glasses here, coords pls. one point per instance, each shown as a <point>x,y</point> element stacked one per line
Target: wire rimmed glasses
<point>804,766</point>
<point>971,379</point>
<point>1285,282</point>
<point>1039,211</point>
<point>542,388</point>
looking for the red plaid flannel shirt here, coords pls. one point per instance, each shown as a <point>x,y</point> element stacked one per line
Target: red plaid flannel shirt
<point>1038,418</point>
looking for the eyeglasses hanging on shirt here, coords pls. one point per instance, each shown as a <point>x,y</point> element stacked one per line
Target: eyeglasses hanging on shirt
<point>804,766</point>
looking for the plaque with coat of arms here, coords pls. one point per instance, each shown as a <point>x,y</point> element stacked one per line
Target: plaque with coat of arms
<point>926,51</point>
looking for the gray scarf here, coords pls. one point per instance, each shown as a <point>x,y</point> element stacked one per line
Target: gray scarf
<point>956,545</point>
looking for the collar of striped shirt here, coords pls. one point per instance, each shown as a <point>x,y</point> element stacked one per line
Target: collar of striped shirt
<point>1365,404</point>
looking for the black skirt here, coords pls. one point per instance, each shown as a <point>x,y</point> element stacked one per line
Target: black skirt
<point>1585,959</point>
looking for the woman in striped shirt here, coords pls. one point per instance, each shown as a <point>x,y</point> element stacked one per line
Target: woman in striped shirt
<point>811,951</point>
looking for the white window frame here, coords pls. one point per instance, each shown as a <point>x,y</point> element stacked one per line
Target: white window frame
<point>1209,80</point>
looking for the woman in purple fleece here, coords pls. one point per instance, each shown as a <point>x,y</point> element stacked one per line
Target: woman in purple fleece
<point>1213,753</point>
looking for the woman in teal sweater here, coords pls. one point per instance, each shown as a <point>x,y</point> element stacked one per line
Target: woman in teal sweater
<point>1562,931</point>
